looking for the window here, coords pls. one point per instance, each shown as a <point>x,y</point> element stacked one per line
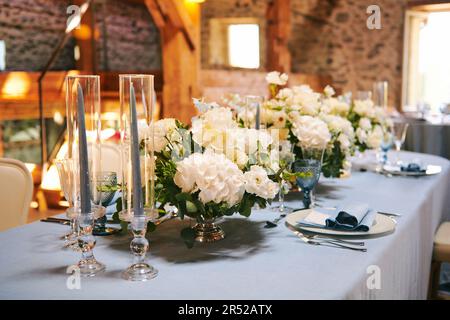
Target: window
<point>243,46</point>
<point>2,55</point>
<point>236,43</point>
<point>427,60</point>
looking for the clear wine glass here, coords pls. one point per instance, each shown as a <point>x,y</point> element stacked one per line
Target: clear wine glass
<point>399,130</point>
<point>66,172</point>
<point>286,159</point>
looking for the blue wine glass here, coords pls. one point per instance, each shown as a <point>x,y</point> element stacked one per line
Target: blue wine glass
<point>307,175</point>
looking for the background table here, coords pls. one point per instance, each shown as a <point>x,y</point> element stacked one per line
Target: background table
<point>252,262</point>
<point>428,137</point>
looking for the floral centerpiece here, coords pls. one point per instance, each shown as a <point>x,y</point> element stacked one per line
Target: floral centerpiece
<point>311,120</point>
<point>213,169</point>
<point>369,122</point>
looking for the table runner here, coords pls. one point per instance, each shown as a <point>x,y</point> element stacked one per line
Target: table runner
<point>251,262</point>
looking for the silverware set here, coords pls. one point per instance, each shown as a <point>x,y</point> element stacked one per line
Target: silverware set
<point>322,240</point>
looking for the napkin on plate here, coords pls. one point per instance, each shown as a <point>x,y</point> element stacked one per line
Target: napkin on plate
<point>412,167</point>
<point>350,217</point>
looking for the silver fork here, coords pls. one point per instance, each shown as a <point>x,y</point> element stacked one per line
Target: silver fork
<point>320,237</point>
<point>320,242</point>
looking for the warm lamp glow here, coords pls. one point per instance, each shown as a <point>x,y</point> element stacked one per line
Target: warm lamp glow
<point>17,84</point>
<point>194,1</point>
<point>30,167</point>
<point>50,180</point>
<point>83,32</point>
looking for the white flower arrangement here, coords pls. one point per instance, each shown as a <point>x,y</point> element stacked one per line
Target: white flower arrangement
<point>369,122</point>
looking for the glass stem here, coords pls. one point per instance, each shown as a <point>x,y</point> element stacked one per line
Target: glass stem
<point>139,246</point>
<point>281,198</point>
<point>306,198</point>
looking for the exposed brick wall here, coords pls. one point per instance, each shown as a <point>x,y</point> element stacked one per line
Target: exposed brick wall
<point>330,37</point>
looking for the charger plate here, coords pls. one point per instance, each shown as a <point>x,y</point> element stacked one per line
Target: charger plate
<point>395,170</point>
<point>382,225</point>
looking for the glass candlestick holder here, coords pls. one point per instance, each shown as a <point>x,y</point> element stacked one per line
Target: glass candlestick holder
<point>88,265</point>
<point>139,270</point>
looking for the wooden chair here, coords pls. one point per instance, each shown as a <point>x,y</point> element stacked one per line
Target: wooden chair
<point>441,253</point>
<point>16,190</point>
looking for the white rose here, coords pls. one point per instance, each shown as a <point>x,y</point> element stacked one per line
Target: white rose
<point>311,132</point>
<point>364,108</point>
<point>361,135</point>
<point>375,137</point>
<point>257,182</point>
<point>365,124</point>
<point>275,77</point>
<point>329,91</point>
<point>344,142</point>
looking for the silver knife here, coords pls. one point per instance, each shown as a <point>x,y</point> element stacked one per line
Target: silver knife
<point>57,220</point>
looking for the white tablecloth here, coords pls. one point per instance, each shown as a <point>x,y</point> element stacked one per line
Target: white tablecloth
<point>252,262</point>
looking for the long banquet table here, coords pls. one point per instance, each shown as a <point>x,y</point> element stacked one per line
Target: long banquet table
<point>251,262</point>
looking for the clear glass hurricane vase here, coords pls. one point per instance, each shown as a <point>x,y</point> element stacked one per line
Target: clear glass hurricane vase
<point>83,93</point>
<point>136,113</point>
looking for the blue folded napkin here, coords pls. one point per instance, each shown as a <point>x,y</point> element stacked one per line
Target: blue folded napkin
<point>412,167</point>
<point>350,217</point>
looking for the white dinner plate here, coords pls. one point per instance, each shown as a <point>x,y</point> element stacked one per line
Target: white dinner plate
<point>382,224</point>
<point>395,170</point>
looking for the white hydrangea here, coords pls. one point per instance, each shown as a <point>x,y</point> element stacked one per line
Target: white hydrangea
<point>311,132</point>
<point>218,179</point>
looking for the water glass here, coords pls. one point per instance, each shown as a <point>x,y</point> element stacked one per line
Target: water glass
<point>307,175</point>
<point>387,140</point>
<point>105,189</point>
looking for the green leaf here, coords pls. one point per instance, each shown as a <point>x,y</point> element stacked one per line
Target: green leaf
<point>151,226</point>
<point>124,226</point>
<point>188,236</point>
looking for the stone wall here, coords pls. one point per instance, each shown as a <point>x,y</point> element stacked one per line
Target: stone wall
<point>330,37</point>
<point>127,37</point>
<point>31,30</point>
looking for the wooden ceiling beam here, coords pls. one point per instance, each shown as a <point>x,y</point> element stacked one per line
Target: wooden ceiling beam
<point>179,26</point>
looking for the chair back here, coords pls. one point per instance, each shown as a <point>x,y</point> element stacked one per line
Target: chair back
<point>16,190</point>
